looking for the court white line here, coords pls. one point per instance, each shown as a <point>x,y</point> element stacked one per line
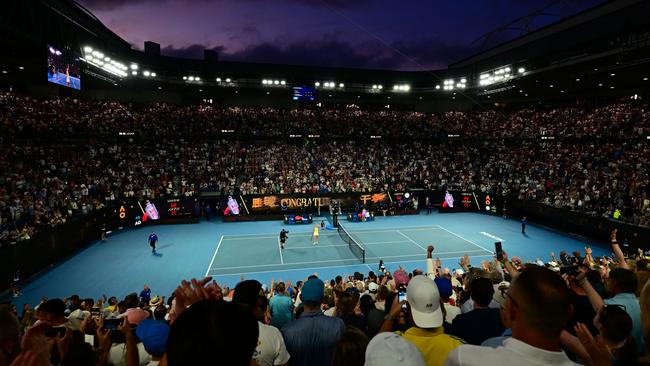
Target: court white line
<point>363,231</point>
<point>411,240</point>
<point>214,256</point>
<point>274,236</point>
<point>341,245</point>
<point>280,250</point>
<point>339,260</point>
<point>341,266</point>
<point>467,240</point>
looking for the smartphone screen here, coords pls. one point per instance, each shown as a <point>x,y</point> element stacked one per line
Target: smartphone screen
<point>401,296</point>
<point>498,250</point>
<point>111,324</point>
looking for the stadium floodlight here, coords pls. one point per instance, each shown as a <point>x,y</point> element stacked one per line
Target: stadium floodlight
<point>600,84</point>
<point>406,87</point>
<point>227,80</point>
<point>463,80</point>
<point>190,78</point>
<point>521,70</point>
<point>134,66</point>
<point>437,87</point>
<point>134,73</point>
<point>88,49</point>
<point>276,82</point>
<point>107,59</point>
<point>89,57</point>
<point>218,80</point>
<point>317,84</point>
<point>341,85</point>
<point>612,74</point>
<point>197,78</point>
<point>282,82</point>
<point>264,82</point>
<point>577,79</point>
<point>380,86</point>
<point>507,69</point>
<point>153,74</point>
<point>184,77</point>
<point>395,87</point>
<point>146,73</point>
<point>645,79</point>
<point>374,86</point>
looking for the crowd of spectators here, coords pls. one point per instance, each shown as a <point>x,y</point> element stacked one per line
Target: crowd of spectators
<point>573,309</point>
<point>25,116</point>
<point>57,161</point>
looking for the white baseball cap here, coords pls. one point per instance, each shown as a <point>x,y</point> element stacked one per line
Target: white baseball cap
<point>389,349</point>
<point>424,300</point>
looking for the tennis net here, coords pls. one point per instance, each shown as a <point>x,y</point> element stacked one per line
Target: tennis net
<point>355,247</point>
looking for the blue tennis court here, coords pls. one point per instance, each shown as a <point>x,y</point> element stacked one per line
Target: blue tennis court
<point>231,251</point>
<point>240,254</point>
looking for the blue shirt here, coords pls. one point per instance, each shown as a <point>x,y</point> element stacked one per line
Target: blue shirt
<point>633,309</point>
<point>281,310</point>
<point>311,339</point>
<point>153,238</point>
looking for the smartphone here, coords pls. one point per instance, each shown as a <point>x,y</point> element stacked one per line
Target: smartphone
<point>401,296</point>
<point>498,250</point>
<point>569,270</point>
<point>94,313</point>
<point>112,324</point>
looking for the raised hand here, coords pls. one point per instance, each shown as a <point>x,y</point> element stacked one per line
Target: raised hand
<point>612,236</point>
<point>597,350</point>
<point>63,342</point>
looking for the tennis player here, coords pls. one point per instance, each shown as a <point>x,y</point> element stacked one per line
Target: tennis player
<point>283,237</point>
<point>314,236</point>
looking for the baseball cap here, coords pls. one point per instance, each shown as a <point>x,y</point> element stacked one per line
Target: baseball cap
<point>391,349</point>
<point>153,334</point>
<point>312,291</point>
<point>372,287</point>
<point>424,300</point>
<point>444,286</point>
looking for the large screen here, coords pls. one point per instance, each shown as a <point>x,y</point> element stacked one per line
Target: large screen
<point>63,68</point>
<point>304,93</point>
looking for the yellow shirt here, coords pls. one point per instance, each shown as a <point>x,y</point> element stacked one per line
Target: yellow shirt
<point>316,231</point>
<point>432,343</point>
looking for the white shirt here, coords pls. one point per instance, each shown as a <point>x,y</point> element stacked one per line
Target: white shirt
<point>270,348</point>
<point>513,352</point>
<point>117,355</point>
<point>330,312</point>
<point>469,305</point>
<point>452,311</point>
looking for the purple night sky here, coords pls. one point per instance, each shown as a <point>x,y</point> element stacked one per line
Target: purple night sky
<point>376,34</point>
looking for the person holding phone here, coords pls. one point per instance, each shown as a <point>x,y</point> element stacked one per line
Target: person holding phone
<point>153,239</point>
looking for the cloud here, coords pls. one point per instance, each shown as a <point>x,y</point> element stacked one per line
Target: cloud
<point>98,5</point>
<point>332,52</point>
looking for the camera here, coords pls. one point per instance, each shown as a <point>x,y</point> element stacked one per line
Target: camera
<point>569,270</point>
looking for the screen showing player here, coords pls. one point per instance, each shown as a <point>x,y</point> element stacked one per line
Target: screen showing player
<point>63,68</point>
<point>233,207</point>
<point>449,200</point>
<point>149,211</point>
